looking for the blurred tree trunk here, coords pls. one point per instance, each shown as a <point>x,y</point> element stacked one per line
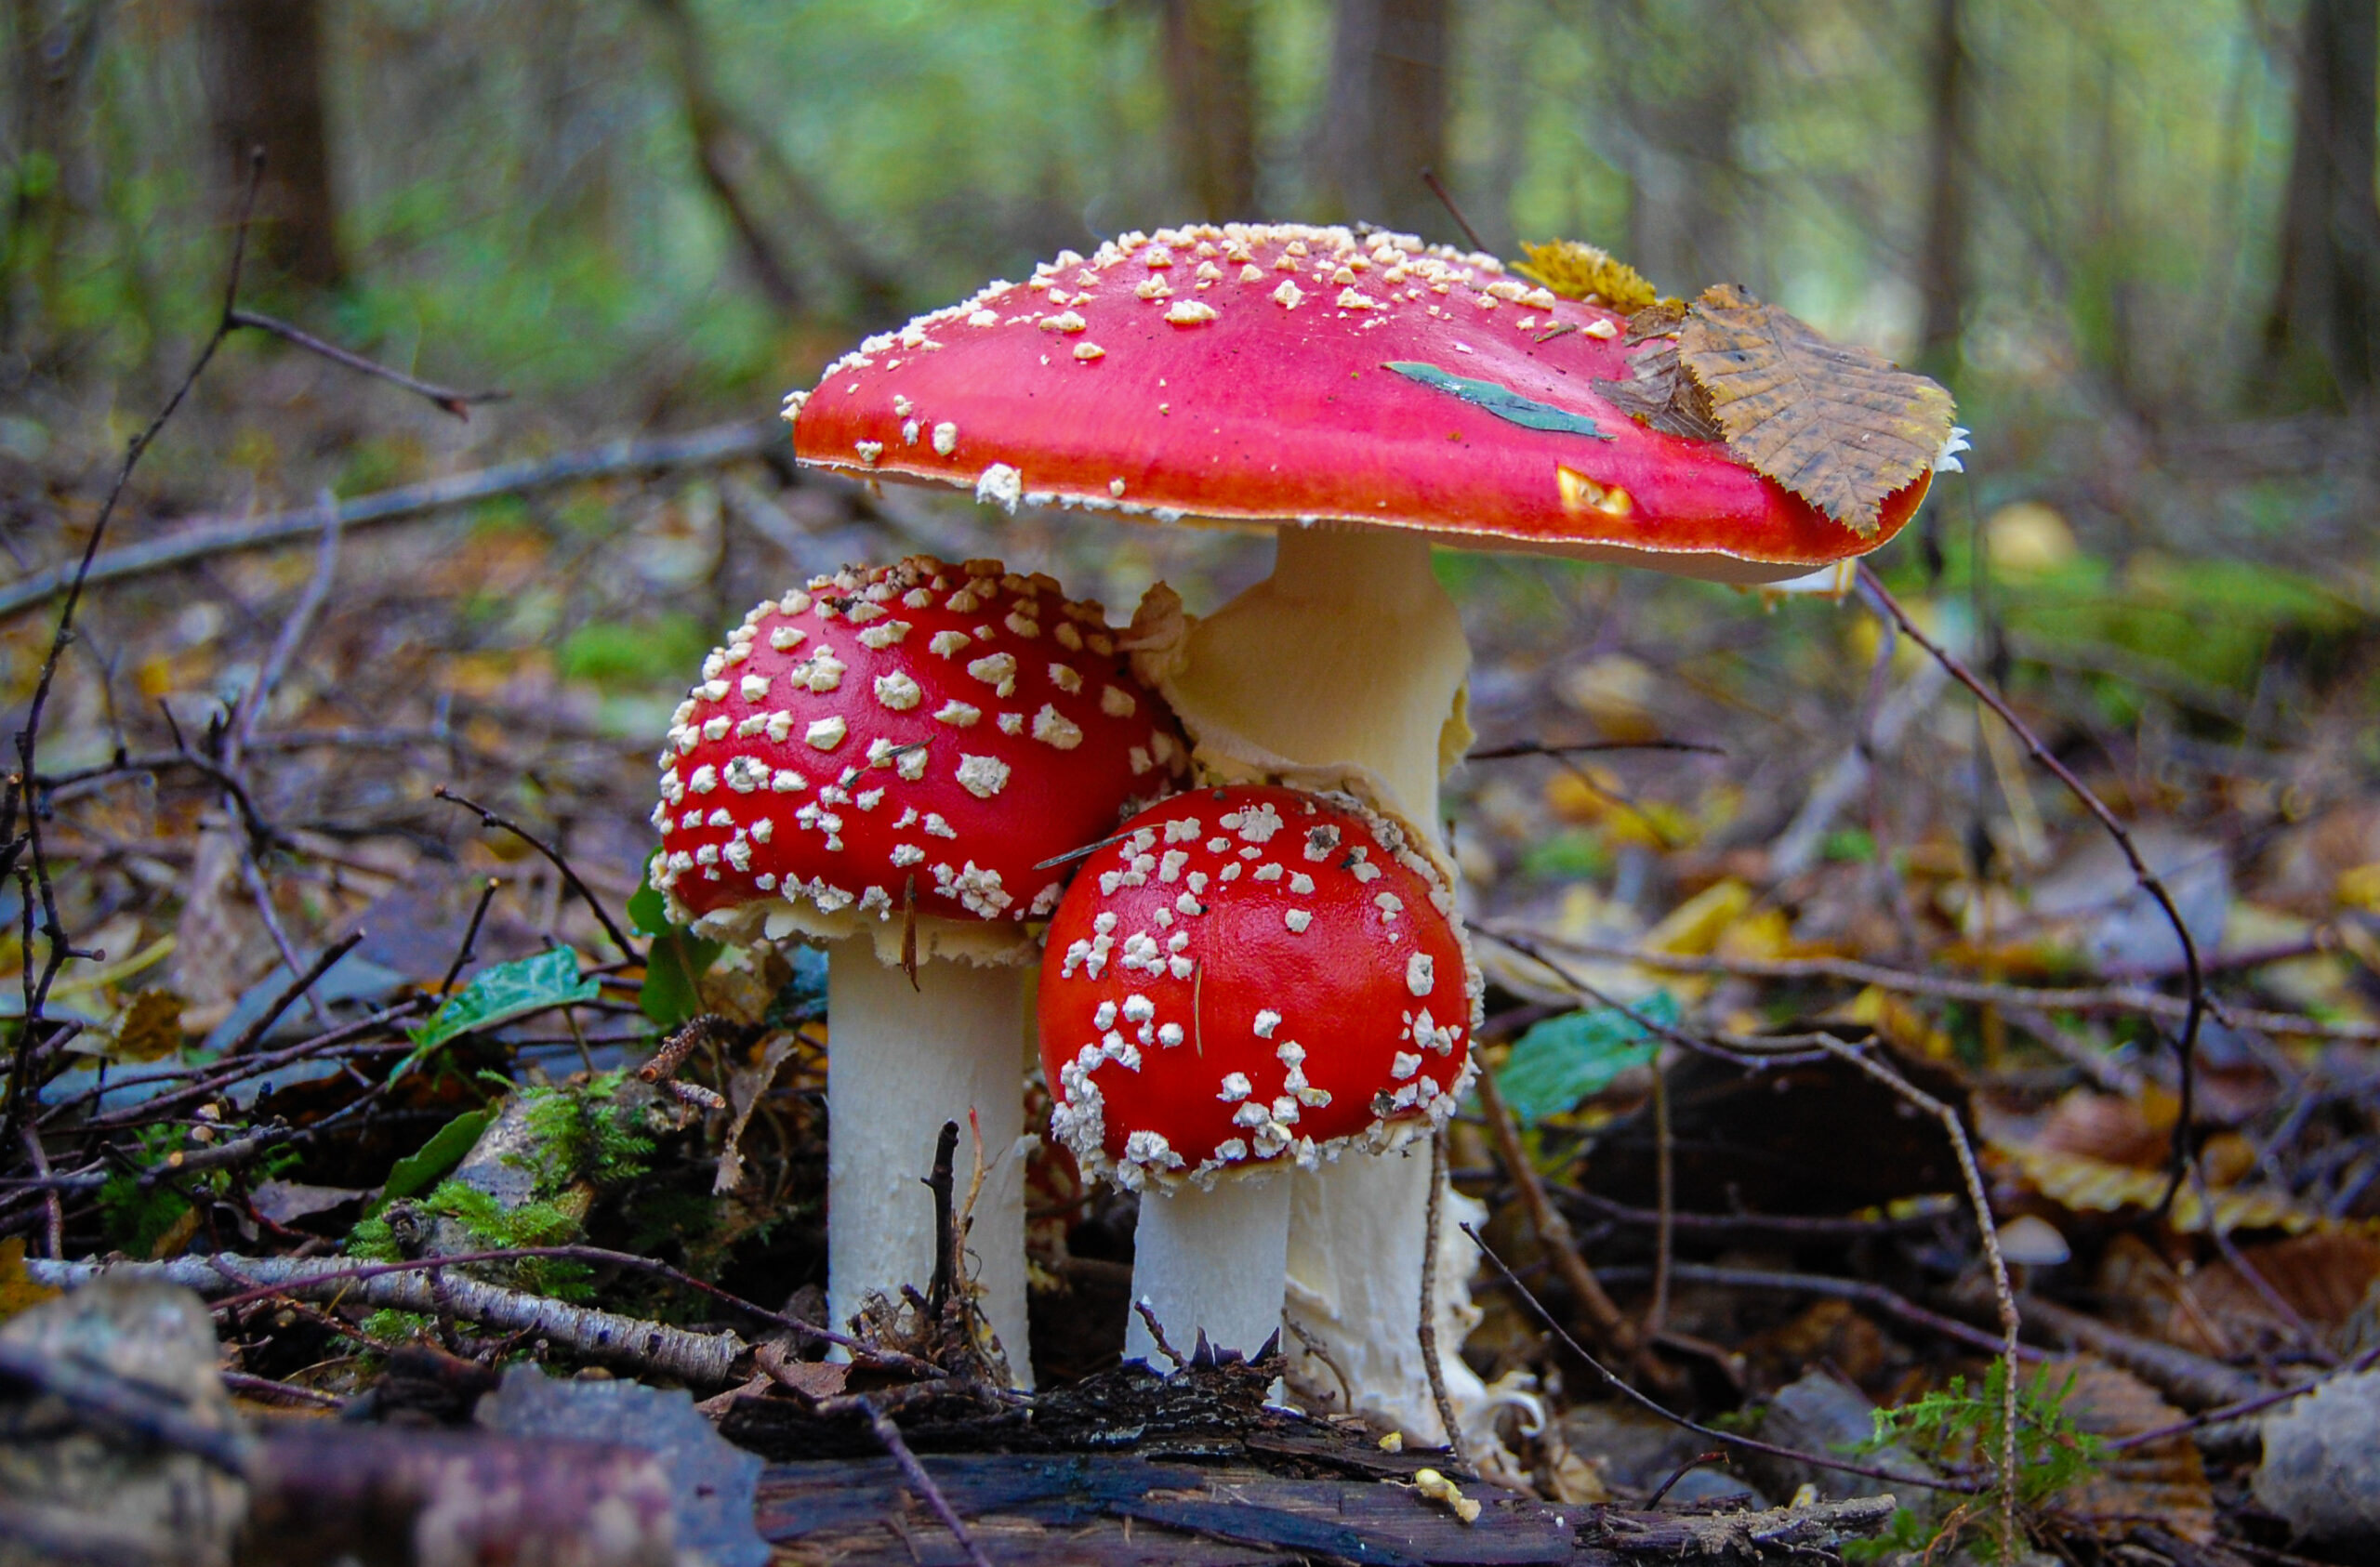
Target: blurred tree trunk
<point>1678,97</point>
<point>1386,118</point>
<point>1942,254</point>
<point>731,156</point>
<point>1211,74</point>
<point>42,90</point>
<point>2326,303</point>
<point>264,79</point>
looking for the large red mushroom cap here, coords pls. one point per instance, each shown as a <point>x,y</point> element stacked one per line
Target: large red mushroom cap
<point>1283,373</point>
<point>1252,975</point>
<point>946,728</point>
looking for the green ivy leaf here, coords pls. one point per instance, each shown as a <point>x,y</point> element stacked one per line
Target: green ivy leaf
<point>1566,1060</point>
<point>499,994</point>
<point>419,1171</point>
<point>1502,400</point>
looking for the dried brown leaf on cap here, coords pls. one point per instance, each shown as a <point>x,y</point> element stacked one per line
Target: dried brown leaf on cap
<point>1661,395</point>
<point>1837,425</point>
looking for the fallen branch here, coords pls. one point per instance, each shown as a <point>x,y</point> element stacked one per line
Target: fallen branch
<point>702,1359</point>
<point>204,539</point>
<point>2190,1381</point>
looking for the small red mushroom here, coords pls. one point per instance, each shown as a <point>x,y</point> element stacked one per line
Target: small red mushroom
<point>1249,976</point>
<point>883,761</point>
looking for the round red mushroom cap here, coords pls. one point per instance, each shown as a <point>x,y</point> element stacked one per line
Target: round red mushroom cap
<point>949,728</point>
<point>1289,374</point>
<point>1251,975</point>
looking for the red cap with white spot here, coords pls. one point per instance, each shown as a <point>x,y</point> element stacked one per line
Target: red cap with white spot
<point>1283,373</point>
<point>921,731</point>
<point>1251,975</point>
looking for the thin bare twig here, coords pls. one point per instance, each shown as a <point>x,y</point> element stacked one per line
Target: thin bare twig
<point>262,895</point>
<point>470,935</point>
<point>2004,1296</point>
<point>1872,589</point>
<point>553,857</point>
<point>1429,1322</point>
<point>1750,1444</point>
<point>1539,748</point>
<point>921,1483</point>
<point>456,403</point>
<point>1665,1199</point>
<point>292,636</point>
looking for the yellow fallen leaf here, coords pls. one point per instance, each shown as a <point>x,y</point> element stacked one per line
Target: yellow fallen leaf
<point>18,1290</point>
<point>2359,888</point>
<point>1692,929</point>
<point>2086,1185</point>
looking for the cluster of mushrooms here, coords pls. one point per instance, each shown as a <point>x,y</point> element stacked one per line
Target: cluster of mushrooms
<point>1196,866</point>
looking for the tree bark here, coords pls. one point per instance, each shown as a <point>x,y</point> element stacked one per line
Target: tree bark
<point>1386,118</point>
<point>1210,75</point>
<point>2325,324</point>
<point>264,78</point>
<point>1942,261</point>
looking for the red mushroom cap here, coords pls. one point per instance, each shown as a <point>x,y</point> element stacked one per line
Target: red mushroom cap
<point>954,725</point>
<point>1254,974</point>
<point>1282,373</point>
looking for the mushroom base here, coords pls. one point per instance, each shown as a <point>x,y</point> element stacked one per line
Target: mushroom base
<point>1211,1261</point>
<point>900,1062</point>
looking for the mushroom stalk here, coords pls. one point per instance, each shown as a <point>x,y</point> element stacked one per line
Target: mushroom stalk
<point>1211,1261</point>
<point>900,1062</point>
<point>1349,659</point>
<point>1349,654</point>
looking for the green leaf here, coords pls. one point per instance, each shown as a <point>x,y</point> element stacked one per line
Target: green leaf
<point>1564,1060</point>
<point>499,994</point>
<point>1501,400</point>
<point>419,1171</point>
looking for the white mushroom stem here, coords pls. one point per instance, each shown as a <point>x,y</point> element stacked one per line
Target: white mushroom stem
<point>899,1063</point>
<point>1211,1259</point>
<point>1350,654</point>
<point>1347,665</point>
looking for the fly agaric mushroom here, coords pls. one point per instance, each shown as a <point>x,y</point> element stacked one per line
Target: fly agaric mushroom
<point>881,762</point>
<point>1252,977</point>
<point>1369,397</point>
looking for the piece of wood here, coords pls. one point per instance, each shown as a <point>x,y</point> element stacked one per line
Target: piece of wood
<point>1100,1509</point>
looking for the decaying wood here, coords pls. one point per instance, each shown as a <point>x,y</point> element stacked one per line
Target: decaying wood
<point>1119,1509</point>
<point>705,1359</point>
<point>1101,1508</point>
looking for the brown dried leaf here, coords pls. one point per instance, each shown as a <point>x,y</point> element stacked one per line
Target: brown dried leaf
<point>1839,426</point>
<point>2163,1482</point>
<point>151,1029</point>
<point>1662,395</point>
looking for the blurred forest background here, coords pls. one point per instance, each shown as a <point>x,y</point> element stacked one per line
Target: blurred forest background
<point>2103,224</point>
